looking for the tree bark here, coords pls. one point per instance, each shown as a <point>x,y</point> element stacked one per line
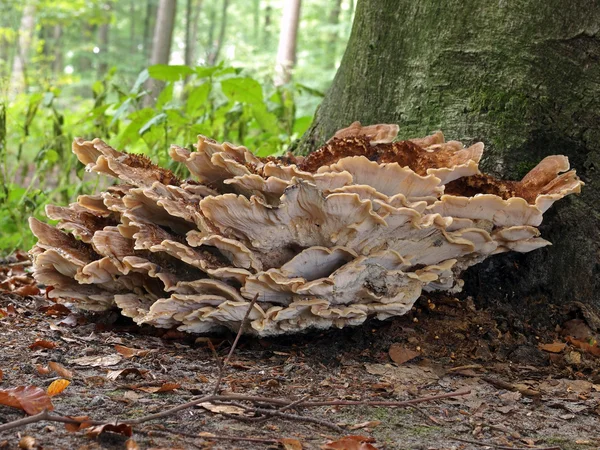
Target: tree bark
<point>161,43</point>
<point>332,40</point>
<point>214,55</point>
<point>286,52</point>
<point>521,76</point>
<point>103,42</point>
<point>191,31</point>
<point>57,62</point>
<point>18,79</point>
<point>148,26</point>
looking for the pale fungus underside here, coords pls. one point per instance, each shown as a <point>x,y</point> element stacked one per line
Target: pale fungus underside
<point>360,227</point>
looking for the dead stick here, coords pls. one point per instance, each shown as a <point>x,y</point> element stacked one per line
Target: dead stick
<point>511,387</point>
<point>249,398</point>
<point>234,345</point>
<point>501,447</point>
<point>214,437</point>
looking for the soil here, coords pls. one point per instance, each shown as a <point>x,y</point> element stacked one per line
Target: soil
<point>522,394</point>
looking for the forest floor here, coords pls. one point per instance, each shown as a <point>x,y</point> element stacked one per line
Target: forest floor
<point>538,389</point>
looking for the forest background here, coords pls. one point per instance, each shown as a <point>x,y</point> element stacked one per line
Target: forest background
<point>142,75</point>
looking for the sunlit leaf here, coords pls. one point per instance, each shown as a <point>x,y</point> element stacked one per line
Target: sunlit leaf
<point>245,90</point>
<point>165,72</point>
<point>57,386</point>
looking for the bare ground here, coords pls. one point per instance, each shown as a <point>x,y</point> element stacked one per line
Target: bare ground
<point>520,396</point>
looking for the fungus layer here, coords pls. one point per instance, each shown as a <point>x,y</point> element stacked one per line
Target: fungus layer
<point>360,227</point>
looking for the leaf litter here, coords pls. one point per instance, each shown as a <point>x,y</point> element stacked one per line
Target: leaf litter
<point>452,347</point>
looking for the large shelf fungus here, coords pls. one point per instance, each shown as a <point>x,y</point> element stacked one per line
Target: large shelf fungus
<point>359,227</point>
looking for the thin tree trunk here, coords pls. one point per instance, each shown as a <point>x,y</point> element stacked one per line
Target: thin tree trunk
<point>148,26</point>
<point>214,56</point>
<point>132,39</point>
<point>520,76</point>
<point>18,79</point>
<point>57,63</point>
<point>267,27</point>
<point>191,33</point>
<point>286,52</point>
<point>256,21</point>
<point>332,40</point>
<point>103,42</point>
<point>161,42</point>
<point>211,33</point>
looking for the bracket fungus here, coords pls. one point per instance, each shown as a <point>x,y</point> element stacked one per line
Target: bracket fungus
<point>360,227</point>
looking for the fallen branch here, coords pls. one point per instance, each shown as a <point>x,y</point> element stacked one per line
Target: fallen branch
<point>511,387</point>
<point>46,416</point>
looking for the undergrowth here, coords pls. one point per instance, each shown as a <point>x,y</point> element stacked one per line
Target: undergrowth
<point>36,131</point>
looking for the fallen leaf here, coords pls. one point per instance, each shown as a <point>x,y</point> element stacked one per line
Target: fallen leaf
<point>1,374</point>
<point>130,444</point>
<point>227,409</point>
<point>96,361</point>
<point>60,370</point>
<point>114,374</point>
<point>371,424</point>
<point>129,352</point>
<point>27,443</point>
<point>401,354</point>
<point>43,343</point>
<point>57,386</point>
<point>30,289</point>
<point>82,422</point>
<point>555,347</point>
<point>42,370</point>
<point>70,321</point>
<point>123,429</point>
<point>55,310</point>
<point>593,349</point>
<point>291,444</point>
<point>166,387</point>
<point>350,443</point>
<point>30,399</point>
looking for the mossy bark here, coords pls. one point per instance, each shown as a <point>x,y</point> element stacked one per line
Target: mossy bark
<point>523,76</point>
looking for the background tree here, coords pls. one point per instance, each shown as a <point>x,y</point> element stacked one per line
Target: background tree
<point>520,76</point>
<point>161,41</point>
<point>286,52</point>
<point>18,78</point>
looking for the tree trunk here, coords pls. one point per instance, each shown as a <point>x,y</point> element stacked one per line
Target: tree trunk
<point>103,35</point>
<point>286,52</point>
<point>332,40</point>
<point>161,42</point>
<point>57,62</point>
<point>214,55</point>
<point>132,39</point>
<point>191,31</point>
<point>148,25</point>
<point>521,76</point>
<point>18,79</point>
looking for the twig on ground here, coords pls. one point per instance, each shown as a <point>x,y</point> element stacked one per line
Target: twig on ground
<point>45,416</point>
<point>223,365</point>
<point>209,437</point>
<point>425,414</point>
<point>500,447</point>
<point>511,387</point>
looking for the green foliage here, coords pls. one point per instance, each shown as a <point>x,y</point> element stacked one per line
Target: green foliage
<point>36,132</point>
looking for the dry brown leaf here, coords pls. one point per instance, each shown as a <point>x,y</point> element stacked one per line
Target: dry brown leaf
<point>60,370</point>
<point>350,443</point>
<point>227,409</point>
<point>42,370</point>
<point>130,444</point>
<point>82,423</point>
<point>27,443</point>
<point>55,310</point>
<point>593,349</point>
<point>43,343</point>
<point>30,289</point>
<point>291,444</point>
<point>31,399</point>
<point>371,424</point>
<point>123,429</point>
<point>114,374</point>
<point>57,386</point>
<point>555,347</point>
<point>166,387</point>
<point>401,354</point>
<point>129,352</point>
<point>1,374</point>
<point>96,361</point>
